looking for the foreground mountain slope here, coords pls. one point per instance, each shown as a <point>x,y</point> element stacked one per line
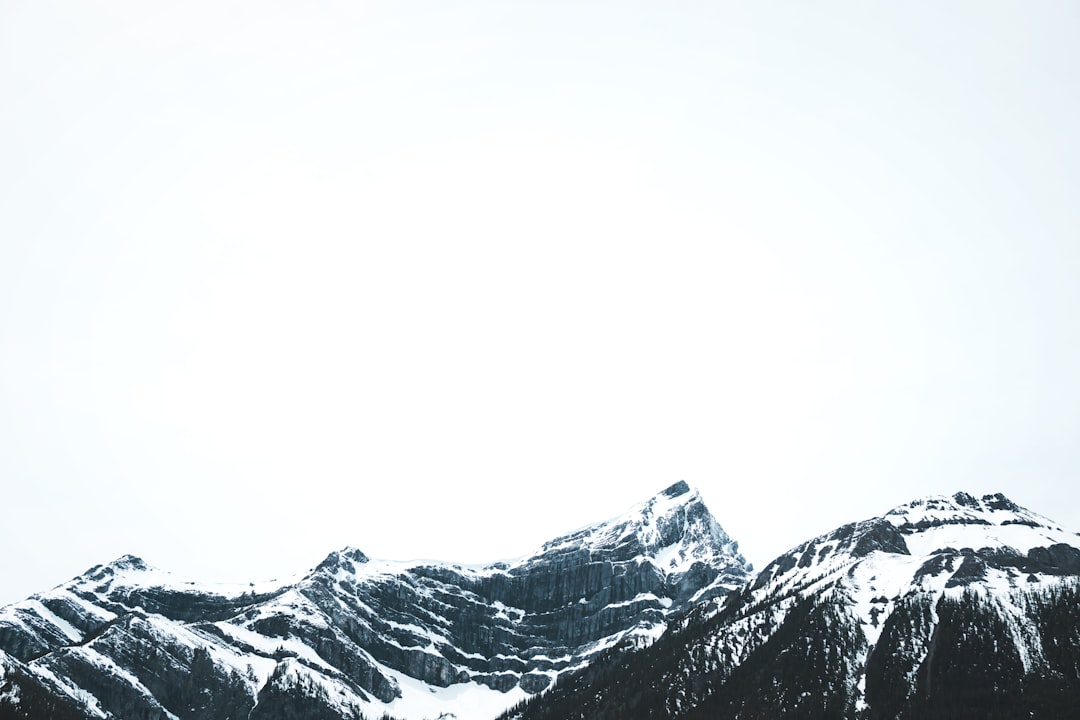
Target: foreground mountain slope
<point>357,637</point>
<point>948,607</point>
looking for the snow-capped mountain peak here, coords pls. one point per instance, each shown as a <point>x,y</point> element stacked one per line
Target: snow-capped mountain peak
<point>673,532</point>
<point>962,508</point>
<point>673,528</point>
<point>928,532</point>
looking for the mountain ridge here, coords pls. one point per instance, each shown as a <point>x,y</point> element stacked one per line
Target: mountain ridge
<point>357,636</point>
<point>914,613</point>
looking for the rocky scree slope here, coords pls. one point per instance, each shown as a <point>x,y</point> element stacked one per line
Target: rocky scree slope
<point>357,637</point>
<point>947,607</point>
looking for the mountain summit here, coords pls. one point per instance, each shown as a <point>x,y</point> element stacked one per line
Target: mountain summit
<point>358,637</point>
<point>674,532</point>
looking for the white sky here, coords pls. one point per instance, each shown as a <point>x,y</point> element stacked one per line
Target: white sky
<point>445,279</point>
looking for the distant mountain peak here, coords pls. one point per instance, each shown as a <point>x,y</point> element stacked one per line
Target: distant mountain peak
<point>673,527</point>
<point>934,543</point>
<point>964,509</point>
<point>130,562</point>
<point>992,502</point>
<point>347,557</point>
<point>123,565</point>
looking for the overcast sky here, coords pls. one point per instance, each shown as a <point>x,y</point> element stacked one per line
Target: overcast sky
<point>446,279</point>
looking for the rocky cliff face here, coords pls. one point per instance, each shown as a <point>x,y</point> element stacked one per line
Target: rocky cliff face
<point>359,637</point>
<point>948,607</point>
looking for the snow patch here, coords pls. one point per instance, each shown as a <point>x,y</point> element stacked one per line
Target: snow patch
<point>464,701</point>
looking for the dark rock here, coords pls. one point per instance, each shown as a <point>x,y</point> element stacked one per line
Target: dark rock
<point>997,501</point>
<point>679,488</point>
<point>503,682</point>
<point>880,535</point>
<point>972,569</point>
<point>1058,559</point>
<point>533,683</point>
<point>937,564</point>
<point>966,500</point>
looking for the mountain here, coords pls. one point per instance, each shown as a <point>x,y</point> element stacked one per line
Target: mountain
<point>947,607</point>
<point>357,637</point>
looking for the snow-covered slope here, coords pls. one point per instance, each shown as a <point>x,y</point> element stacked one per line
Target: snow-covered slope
<point>943,607</point>
<point>913,556</point>
<point>937,544</point>
<point>359,637</point>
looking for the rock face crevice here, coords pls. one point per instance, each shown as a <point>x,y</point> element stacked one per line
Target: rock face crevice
<point>360,636</point>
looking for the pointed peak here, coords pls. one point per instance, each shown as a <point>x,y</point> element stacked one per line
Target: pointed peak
<point>123,565</point>
<point>344,557</point>
<point>129,562</point>
<point>673,529</point>
<point>669,500</point>
<point>679,488</point>
<point>353,554</point>
<point>677,499</point>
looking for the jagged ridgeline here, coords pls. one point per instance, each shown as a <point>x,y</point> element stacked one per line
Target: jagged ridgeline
<point>358,637</point>
<point>943,608</point>
<point>948,607</point>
